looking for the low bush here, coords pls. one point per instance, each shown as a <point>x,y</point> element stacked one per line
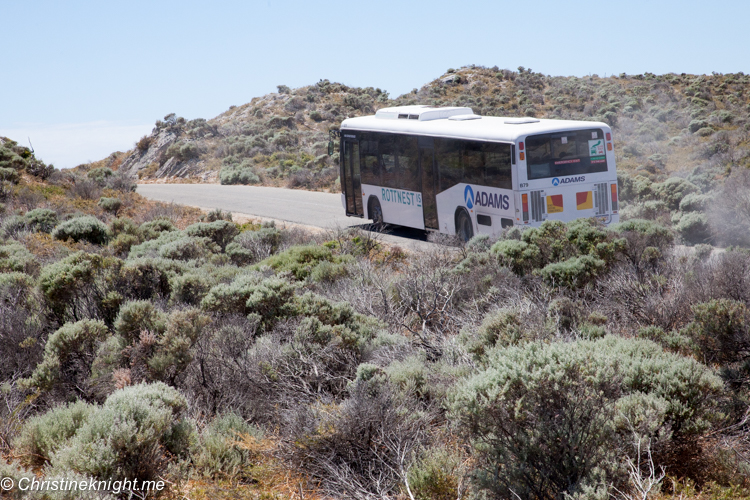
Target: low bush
<point>220,232</point>
<point>187,248</point>
<point>9,175</point>
<point>299,260</point>
<point>43,435</point>
<point>68,354</point>
<point>152,229</point>
<point>111,205</point>
<point>673,190</point>
<point>238,174</point>
<point>86,228</point>
<point>218,453</point>
<point>15,257</point>
<point>251,246</point>
<point>76,287</point>
<point>572,273</point>
<point>551,419</point>
<point>130,436</point>
<point>138,316</point>
<point>694,228</point>
<point>41,219</point>
<point>100,175</point>
<point>721,332</point>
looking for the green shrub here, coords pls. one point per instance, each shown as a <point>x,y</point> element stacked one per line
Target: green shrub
<point>721,330</point>
<point>251,246</point>
<point>67,357</point>
<point>146,277</point>
<point>220,232</point>
<point>695,202</point>
<point>299,260</point>
<point>549,419</point>
<point>646,240</point>
<point>112,205</point>
<point>16,472</point>
<point>9,175</point>
<point>269,298</point>
<point>673,190</point>
<point>217,453</point>
<point>151,247</point>
<point>328,272</point>
<point>238,174</point>
<point>122,244</point>
<point>16,257</point>
<point>138,316</point>
<point>186,248</point>
<point>216,214</point>
<point>41,219</point>
<point>695,125</point>
<point>436,475</point>
<point>152,229</point>
<point>519,256</point>
<point>232,297</point>
<point>173,352</point>
<point>499,328</point>
<point>100,175</point>
<point>130,436</point>
<point>191,287</point>
<point>86,228</point>
<point>631,188</point>
<point>14,225</point>
<point>573,273</point>
<point>76,286</point>
<point>337,313</point>
<point>43,435</point>
<point>694,228</point>
<point>124,226</point>
<point>649,210</point>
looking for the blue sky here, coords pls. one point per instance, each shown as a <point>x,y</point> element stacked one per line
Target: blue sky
<point>83,79</point>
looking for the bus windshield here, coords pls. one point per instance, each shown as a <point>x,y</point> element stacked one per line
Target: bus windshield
<point>572,152</point>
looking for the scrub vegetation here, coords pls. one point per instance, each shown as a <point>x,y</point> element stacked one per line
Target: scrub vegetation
<point>570,361</point>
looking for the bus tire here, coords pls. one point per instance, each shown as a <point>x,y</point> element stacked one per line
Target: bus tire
<point>375,212</point>
<point>464,227</point>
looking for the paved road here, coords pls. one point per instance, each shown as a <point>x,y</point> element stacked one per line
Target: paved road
<point>308,208</point>
<point>291,205</point>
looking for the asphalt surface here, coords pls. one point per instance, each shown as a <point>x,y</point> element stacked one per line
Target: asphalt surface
<point>305,208</point>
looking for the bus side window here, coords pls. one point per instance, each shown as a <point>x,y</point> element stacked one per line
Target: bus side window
<point>387,150</point>
<point>408,163</point>
<point>497,165</point>
<point>370,167</point>
<point>473,163</point>
<point>449,164</point>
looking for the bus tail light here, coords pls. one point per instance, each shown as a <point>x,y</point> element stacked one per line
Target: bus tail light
<point>520,145</point>
<point>614,198</point>
<point>525,203</point>
<point>609,146</point>
<point>521,155</point>
<point>609,136</point>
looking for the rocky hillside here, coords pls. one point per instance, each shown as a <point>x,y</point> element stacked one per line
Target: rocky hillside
<point>664,124</point>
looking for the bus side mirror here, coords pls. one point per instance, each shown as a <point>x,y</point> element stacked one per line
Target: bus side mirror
<point>330,148</point>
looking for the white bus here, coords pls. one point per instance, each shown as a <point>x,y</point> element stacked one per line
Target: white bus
<point>449,170</point>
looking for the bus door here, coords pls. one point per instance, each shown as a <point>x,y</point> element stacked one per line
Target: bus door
<point>351,178</point>
<point>427,166</point>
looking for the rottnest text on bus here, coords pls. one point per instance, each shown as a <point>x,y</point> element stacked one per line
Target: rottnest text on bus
<point>449,170</point>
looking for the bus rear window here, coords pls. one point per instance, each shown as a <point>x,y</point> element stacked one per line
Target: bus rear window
<point>559,154</point>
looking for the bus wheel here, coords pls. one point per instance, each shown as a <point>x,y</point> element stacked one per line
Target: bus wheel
<point>464,228</point>
<point>376,214</point>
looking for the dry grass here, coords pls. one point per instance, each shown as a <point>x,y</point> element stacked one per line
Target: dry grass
<point>271,479</point>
